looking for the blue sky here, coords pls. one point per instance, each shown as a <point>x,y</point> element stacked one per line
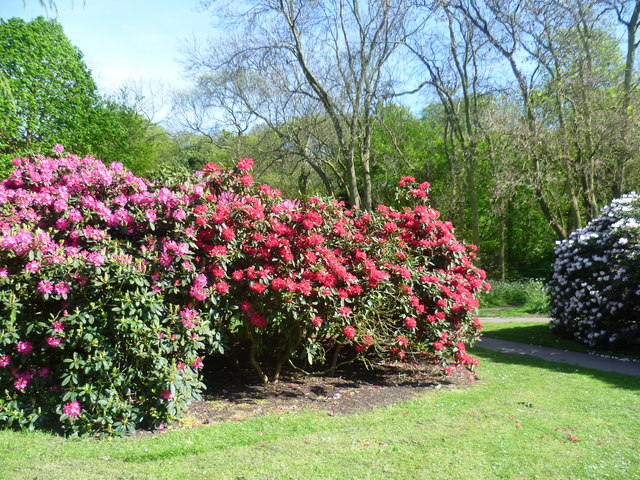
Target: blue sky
<point>124,39</point>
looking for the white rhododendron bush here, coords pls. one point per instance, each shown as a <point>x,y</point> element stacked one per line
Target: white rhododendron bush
<point>595,288</point>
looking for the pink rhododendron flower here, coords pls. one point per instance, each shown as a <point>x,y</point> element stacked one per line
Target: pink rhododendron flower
<point>44,372</point>
<point>438,345</point>
<point>58,326</point>
<point>95,258</point>
<point>4,360</point>
<point>199,294</point>
<point>53,341</point>
<point>72,409</point>
<point>190,318</point>
<point>33,267</point>
<point>45,286</point>
<point>74,215</point>
<point>164,195</point>
<point>20,383</point>
<point>58,148</point>
<point>317,321</point>
<point>61,288</point>
<point>179,214</point>
<point>197,363</point>
<point>151,215</point>
<point>344,311</point>
<point>24,347</point>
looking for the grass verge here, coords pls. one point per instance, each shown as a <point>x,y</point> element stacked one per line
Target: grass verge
<point>508,311</point>
<point>524,419</point>
<point>530,294</point>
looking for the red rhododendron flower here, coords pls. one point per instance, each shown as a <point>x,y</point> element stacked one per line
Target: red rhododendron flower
<point>166,395</point>
<point>344,311</point>
<point>222,287</point>
<point>246,180</point>
<point>210,167</point>
<point>200,209</point>
<point>257,320</point>
<point>245,164</point>
<point>349,332</point>
<point>438,345</point>
<point>410,322</point>
<point>228,234</point>
<point>238,275</point>
<point>257,287</point>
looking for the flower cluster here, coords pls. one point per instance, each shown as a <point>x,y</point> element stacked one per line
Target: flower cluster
<point>306,279</point>
<point>94,292</point>
<point>111,287</point>
<point>595,288</point>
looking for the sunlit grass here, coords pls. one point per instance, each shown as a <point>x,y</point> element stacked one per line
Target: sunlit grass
<point>529,295</point>
<point>524,418</point>
<point>508,311</point>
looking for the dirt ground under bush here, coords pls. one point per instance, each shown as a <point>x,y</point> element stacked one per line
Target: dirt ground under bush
<point>235,395</point>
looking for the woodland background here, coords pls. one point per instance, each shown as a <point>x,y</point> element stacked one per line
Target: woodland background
<point>521,114</point>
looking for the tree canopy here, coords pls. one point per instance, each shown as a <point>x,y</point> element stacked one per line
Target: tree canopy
<point>49,97</point>
<point>50,89</point>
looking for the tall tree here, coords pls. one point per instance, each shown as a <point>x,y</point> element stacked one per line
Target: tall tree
<point>627,13</point>
<point>567,71</point>
<point>452,62</point>
<point>50,89</point>
<point>330,58</point>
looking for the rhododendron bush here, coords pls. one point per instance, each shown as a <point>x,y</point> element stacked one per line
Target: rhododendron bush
<point>595,288</point>
<point>113,289</point>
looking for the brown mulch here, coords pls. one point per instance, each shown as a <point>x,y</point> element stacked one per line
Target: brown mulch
<point>235,395</point>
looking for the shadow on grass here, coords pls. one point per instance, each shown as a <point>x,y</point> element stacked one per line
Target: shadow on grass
<point>541,335</point>
<point>618,380</point>
<point>538,334</point>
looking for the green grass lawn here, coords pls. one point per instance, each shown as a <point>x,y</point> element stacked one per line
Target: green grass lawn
<point>523,419</point>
